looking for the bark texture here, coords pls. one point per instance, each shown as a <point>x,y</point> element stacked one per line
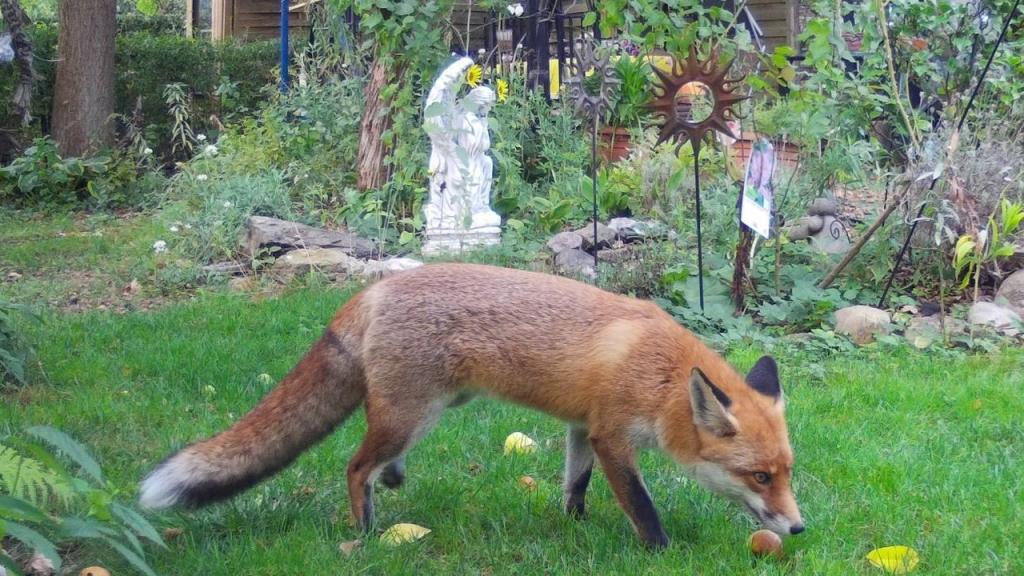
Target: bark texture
<point>83,102</point>
<point>372,173</point>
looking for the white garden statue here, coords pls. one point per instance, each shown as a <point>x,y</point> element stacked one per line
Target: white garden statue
<point>458,212</point>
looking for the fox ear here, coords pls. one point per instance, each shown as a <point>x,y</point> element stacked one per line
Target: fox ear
<point>710,406</point>
<point>764,377</point>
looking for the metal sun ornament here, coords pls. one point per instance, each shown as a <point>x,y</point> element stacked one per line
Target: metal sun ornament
<point>597,103</point>
<point>710,73</point>
<point>674,105</point>
<point>593,104</point>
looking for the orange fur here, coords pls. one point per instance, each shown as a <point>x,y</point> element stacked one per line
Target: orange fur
<point>620,371</point>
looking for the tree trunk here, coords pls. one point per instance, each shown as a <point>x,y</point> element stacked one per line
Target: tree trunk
<point>22,44</point>
<point>83,100</point>
<point>372,173</point>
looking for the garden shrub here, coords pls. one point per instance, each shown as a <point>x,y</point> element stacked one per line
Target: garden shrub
<point>217,207</point>
<point>223,79</point>
<point>41,178</point>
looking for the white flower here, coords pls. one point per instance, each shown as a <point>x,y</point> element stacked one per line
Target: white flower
<point>210,150</point>
<point>517,9</point>
<point>202,177</point>
<point>147,151</point>
<point>227,204</point>
<point>201,137</point>
<point>481,51</point>
<point>173,228</point>
<point>188,226</point>
<point>159,246</point>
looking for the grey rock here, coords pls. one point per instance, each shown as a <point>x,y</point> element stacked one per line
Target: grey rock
<point>1011,292</point>
<point>383,268</point>
<point>862,323</point>
<point>630,230</point>
<point>575,262</point>
<point>993,315</point>
<point>264,232</point>
<point>334,263</point>
<point>823,207</point>
<point>226,268</point>
<point>565,241</point>
<point>614,255</point>
<point>605,236</point>
<point>804,227</point>
<point>923,331</point>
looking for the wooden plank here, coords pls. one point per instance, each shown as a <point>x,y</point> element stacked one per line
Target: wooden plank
<point>269,20</point>
<point>222,24</point>
<point>259,6</point>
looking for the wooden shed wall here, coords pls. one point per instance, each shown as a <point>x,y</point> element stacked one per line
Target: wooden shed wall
<point>253,19</point>
<point>777,19</point>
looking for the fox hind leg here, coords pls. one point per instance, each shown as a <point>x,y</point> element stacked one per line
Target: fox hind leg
<point>382,452</point>
<point>579,464</point>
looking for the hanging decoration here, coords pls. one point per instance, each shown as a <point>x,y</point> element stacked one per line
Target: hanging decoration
<point>693,98</point>
<point>592,91</point>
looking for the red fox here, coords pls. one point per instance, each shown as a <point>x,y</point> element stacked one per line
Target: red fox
<point>619,371</point>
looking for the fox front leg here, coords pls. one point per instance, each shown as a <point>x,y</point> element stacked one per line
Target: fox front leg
<point>619,465</point>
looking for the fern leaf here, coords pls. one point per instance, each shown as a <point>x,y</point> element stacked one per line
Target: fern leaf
<point>70,448</point>
<point>29,480</point>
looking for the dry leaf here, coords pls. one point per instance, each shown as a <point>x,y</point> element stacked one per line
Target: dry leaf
<point>172,533</point>
<point>894,559</point>
<point>347,548</point>
<point>519,443</point>
<point>402,533</point>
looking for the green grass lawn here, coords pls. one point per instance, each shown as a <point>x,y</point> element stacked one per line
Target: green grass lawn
<point>892,447</point>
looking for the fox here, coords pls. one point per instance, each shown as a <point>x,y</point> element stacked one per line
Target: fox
<point>619,371</point>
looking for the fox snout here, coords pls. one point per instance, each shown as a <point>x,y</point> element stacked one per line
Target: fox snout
<point>783,519</point>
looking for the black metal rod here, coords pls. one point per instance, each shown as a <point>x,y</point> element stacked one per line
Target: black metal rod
<point>593,182</point>
<point>959,127</point>
<point>700,244</point>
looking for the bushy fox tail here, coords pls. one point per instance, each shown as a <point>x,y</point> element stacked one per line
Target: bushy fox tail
<point>325,387</point>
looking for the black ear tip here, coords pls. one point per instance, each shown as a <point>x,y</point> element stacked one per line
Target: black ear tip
<point>764,377</point>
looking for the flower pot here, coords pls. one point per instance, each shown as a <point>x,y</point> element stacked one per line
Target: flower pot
<point>614,144</point>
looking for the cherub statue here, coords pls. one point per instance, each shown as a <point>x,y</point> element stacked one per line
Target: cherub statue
<point>460,169</point>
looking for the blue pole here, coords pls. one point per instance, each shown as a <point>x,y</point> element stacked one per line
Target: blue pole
<point>284,46</point>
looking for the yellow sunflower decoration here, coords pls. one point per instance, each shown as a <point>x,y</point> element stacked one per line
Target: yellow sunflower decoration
<point>474,75</point>
<point>502,90</point>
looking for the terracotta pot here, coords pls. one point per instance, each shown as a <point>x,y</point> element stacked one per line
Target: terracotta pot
<point>613,144</point>
<point>787,153</point>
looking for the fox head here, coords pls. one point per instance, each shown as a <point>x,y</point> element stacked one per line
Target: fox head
<point>744,451</point>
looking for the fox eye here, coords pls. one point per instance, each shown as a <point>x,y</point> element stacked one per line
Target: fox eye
<point>762,478</point>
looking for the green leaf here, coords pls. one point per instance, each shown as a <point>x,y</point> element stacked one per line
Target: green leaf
<point>71,448</point>
<point>132,558</point>
<point>35,541</point>
<point>84,528</point>
<point>18,509</point>
<point>589,18</point>
<point>147,7</point>
<point>136,522</point>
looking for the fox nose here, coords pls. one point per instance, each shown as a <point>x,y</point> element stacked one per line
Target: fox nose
<point>796,528</point>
